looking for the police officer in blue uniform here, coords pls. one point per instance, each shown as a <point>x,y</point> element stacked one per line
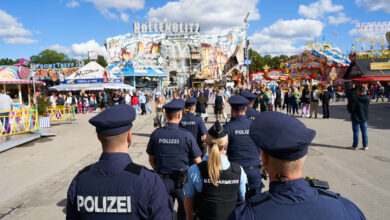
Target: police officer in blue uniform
<point>284,142</point>
<point>115,187</point>
<point>194,124</point>
<point>241,148</point>
<point>170,151</point>
<point>251,113</point>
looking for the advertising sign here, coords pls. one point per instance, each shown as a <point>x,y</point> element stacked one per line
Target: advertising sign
<point>166,27</point>
<point>380,66</point>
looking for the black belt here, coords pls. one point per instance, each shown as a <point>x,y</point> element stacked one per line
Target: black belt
<point>252,168</point>
<point>165,175</point>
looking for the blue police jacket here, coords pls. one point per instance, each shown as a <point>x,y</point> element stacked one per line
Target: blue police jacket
<point>117,188</point>
<point>296,199</point>
<point>251,113</point>
<point>195,125</point>
<point>173,148</point>
<point>241,148</point>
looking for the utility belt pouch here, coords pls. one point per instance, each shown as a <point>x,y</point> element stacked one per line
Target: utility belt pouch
<point>178,178</point>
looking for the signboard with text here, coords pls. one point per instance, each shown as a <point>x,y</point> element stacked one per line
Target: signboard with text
<point>184,28</point>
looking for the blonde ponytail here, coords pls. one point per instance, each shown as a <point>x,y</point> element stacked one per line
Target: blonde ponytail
<point>214,165</point>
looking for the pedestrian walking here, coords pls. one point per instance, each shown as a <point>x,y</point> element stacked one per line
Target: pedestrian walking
<point>358,108</point>
<point>287,101</point>
<point>290,196</point>
<point>171,149</point>
<point>6,106</point>
<point>115,187</point>
<point>201,107</point>
<point>305,101</point>
<point>314,100</point>
<point>278,99</point>
<point>214,186</point>
<point>219,104</point>
<point>325,98</point>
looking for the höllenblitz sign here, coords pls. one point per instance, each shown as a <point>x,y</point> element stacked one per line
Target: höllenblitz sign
<point>185,28</point>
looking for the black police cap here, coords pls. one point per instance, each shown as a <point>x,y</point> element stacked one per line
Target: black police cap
<point>238,102</point>
<point>281,136</point>
<point>247,94</point>
<point>217,130</point>
<point>115,120</point>
<point>190,102</point>
<point>174,106</point>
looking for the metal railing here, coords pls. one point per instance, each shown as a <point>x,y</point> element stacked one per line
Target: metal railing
<point>19,121</point>
<point>61,113</point>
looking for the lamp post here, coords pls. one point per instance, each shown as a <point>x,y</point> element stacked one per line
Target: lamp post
<point>246,49</point>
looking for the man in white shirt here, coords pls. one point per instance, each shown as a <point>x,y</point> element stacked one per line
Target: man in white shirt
<point>127,99</point>
<point>6,105</point>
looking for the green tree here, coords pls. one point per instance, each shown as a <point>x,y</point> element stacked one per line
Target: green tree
<point>51,56</point>
<point>102,61</point>
<point>7,61</point>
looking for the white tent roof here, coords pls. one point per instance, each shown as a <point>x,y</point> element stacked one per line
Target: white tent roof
<point>90,71</point>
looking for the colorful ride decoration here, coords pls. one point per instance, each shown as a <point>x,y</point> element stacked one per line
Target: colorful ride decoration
<point>21,121</point>
<point>320,61</point>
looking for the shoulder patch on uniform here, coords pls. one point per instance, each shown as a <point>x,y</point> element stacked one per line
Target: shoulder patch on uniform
<point>235,167</point>
<point>325,193</point>
<point>134,168</point>
<point>85,169</point>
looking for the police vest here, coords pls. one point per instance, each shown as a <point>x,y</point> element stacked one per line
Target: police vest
<point>108,197</point>
<point>324,206</point>
<point>217,203</point>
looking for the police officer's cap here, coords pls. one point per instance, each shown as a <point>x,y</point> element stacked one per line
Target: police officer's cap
<point>247,94</point>
<point>174,106</point>
<point>190,102</point>
<point>281,136</point>
<point>217,130</point>
<point>238,102</point>
<point>115,120</point>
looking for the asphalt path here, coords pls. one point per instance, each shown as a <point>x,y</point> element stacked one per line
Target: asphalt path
<point>35,176</point>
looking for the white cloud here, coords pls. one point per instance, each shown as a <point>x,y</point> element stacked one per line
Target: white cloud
<point>319,9</point>
<point>72,4</point>
<point>124,17</point>
<point>374,5</point>
<point>80,50</point>
<point>340,19</point>
<point>280,37</point>
<point>19,40</point>
<point>213,16</point>
<point>104,7</point>
<point>12,31</point>
<point>60,48</point>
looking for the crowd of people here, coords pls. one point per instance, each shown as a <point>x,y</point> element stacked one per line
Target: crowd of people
<point>208,171</point>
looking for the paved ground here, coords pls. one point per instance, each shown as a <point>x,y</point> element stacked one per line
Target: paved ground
<point>35,176</point>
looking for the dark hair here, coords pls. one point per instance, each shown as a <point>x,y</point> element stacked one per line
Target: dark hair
<point>201,98</point>
<point>360,89</point>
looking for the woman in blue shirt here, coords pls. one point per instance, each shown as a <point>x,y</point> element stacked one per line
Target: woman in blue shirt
<point>213,187</point>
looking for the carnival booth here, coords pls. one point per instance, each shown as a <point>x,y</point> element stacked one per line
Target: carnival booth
<point>369,69</point>
<point>17,83</point>
<point>137,74</point>
<point>91,77</point>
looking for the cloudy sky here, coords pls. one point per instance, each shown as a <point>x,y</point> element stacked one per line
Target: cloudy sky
<point>276,27</point>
